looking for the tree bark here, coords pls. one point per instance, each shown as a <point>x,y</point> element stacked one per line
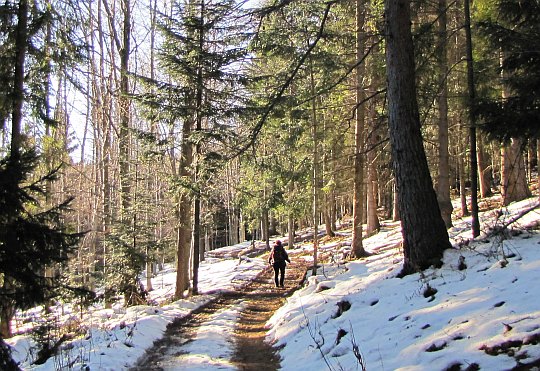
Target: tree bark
<point>514,177</point>
<point>7,308</point>
<point>184,214</point>
<point>373,224</point>
<point>475,221</point>
<point>358,250</point>
<point>443,183</point>
<point>484,170</point>
<point>424,233</point>
<point>21,36</point>
<point>462,176</point>
<point>315,180</point>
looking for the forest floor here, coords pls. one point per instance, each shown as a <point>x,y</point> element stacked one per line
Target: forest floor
<point>252,306</point>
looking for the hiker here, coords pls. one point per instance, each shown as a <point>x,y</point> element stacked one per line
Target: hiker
<point>278,257</point>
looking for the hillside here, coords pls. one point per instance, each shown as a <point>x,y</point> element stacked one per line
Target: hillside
<point>478,311</point>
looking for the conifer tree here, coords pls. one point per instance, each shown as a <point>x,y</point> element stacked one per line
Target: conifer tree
<point>201,94</point>
<point>513,31</point>
<point>30,240</point>
<point>424,233</point>
<point>34,39</point>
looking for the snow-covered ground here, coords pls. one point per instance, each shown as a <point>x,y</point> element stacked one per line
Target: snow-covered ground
<point>115,338</point>
<point>484,296</point>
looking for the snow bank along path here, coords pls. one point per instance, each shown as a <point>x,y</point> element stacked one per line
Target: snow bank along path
<point>227,333</point>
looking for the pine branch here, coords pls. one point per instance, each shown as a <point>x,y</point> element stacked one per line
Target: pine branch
<point>277,96</point>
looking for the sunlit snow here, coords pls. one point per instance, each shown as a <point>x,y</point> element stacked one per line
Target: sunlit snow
<point>352,312</point>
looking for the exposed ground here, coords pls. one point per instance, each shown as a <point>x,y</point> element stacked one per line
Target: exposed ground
<point>259,299</point>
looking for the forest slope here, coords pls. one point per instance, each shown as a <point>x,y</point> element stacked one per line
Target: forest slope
<point>478,311</point>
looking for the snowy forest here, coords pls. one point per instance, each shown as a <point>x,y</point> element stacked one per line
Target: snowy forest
<point>141,138</point>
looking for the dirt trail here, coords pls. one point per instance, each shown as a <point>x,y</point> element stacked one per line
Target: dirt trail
<point>257,302</point>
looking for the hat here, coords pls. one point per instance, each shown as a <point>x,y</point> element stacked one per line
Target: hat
<point>278,242</point>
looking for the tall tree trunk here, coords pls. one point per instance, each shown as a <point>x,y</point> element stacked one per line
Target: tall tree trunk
<point>327,207</point>
<point>265,227</point>
<point>443,183</point>
<point>475,221</point>
<point>462,175</point>
<point>7,307</point>
<point>513,175</point>
<point>197,159</point>
<point>373,224</point>
<point>152,183</point>
<point>358,250</point>
<point>184,214</point>
<point>124,135</point>
<point>424,233</point>
<point>290,230</point>
<point>395,203</point>
<point>315,186</point>
<point>21,36</point>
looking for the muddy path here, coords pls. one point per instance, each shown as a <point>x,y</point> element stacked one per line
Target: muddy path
<point>238,343</point>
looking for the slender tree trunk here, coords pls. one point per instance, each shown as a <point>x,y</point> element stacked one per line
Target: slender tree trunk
<point>327,207</point>
<point>124,104</point>
<point>462,178</point>
<point>443,183</point>
<point>538,167</point>
<point>484,171</point>
<point>395,203</point>
<point>358,250</point>
<point>197,172</point>
<point>373,224</point>
<point>315,186</point>
<point>424,234</point>
<point>475,221</point>
<point>290,230</point>
<point>265,227</point>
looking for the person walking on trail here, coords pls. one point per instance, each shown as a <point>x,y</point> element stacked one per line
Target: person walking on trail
<point>278,257</point>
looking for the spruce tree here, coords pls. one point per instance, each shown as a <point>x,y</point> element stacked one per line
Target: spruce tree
<point>199,95</point>
<point>513,31</point>
<point>31,239</point>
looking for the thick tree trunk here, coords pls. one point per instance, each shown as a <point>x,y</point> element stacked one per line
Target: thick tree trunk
<point>184,214</point>
<point>183,246</point>
<point>327,220</point>
<point>514,178</point>
<point>7,306</point>
<point>424,233</point>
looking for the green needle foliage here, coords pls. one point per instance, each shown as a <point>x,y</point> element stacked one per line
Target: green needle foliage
<point>513,32</point>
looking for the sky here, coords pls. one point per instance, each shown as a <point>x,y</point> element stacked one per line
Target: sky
<point>351,313</point>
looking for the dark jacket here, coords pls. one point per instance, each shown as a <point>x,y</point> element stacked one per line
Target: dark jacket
<point>278,255</point>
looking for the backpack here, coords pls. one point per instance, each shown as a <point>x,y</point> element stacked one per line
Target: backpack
<point>279,255</point>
